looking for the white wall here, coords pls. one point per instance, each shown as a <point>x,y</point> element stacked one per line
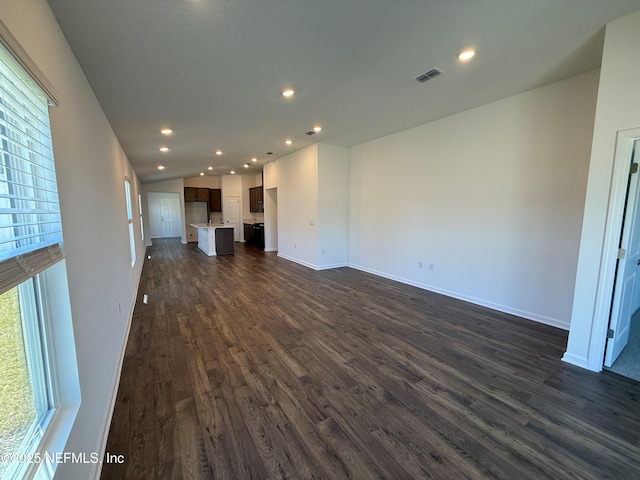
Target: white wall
<point>618,109</point>
<point>91,167</point>
<point>169,186</point>
<point>491,197</point>
<point>203,181</point>
<point>297,183</point>
<point>333,205</point>
<point>271,220</point>
<point>271,177</point>
<point>306,206</point>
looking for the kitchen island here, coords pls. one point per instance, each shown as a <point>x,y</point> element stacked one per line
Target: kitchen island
<point>215,239</point>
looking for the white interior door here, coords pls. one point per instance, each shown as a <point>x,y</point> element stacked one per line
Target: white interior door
<point>231,211</point>
<point>626,296</point>
<point>171,222</point>
<point>165,219</point>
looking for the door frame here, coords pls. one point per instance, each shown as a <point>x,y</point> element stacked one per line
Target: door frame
<point>609,255</point>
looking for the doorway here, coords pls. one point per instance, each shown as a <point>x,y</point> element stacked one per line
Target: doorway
<point>626,292</point>
<point>165,220</point>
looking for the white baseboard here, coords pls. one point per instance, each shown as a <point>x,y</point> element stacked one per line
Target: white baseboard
<point>553,322</point>
<point>270,249</point>
<point>310,265</point>
<point>329,267</point>
<point>299,262</point>
<point>578,361</point>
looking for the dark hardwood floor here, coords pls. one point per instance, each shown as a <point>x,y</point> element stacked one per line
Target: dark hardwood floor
<point>252,367</point>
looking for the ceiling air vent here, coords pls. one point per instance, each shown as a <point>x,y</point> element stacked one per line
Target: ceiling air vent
<point>310,132</point>
<point>433,73</point>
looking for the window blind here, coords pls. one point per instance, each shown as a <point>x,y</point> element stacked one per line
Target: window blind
<point>29,207</point>
<point>132,241</point>
<point>127,192</point>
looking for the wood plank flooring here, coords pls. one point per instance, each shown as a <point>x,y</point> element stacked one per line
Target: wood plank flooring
<point>252,367</point>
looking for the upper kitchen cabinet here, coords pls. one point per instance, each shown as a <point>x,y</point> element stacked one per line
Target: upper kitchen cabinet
<point>202,195</point>
<point>215,200</point>
<point>190,194</point>
<point>256,199</point>
<point>193,194</point>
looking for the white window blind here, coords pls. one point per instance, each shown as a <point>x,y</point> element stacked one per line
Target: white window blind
<point>140,213</point>
<point>29,209</point>
<point>132,241</point>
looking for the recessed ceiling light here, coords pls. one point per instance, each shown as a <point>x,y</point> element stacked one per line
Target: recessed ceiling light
<point>288,92</point>
<point>466,55</point>
<point>166,131</point>
<point>218,152</point>
<point>317,128</point>
<point>232,172</point>
<point>202,174</point>
<point>164,149</point>
<point>209,168</point>
<point>160,167</point>
<point>254,159</point>
<point>288,141</point>
<point>246,165</point>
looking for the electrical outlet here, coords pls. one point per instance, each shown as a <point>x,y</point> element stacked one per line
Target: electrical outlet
<point>432,266</point>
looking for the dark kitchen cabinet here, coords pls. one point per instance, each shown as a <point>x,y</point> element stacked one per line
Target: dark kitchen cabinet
<point>248,233</point>
<point>202,195</point>
<point>258,236</point>
<point>254,234</point>
<point>190,194</point>
<point>224,241</point>
<point>215,200</point>
<point>256,199</point>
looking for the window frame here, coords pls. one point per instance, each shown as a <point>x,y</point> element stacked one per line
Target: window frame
<point>50,294</point>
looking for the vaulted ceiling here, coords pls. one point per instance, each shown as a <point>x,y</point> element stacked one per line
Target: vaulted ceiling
<point>213,70</point>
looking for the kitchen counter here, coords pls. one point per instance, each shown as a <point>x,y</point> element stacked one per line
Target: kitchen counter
<point>215,239</point>
<point>211,225</point>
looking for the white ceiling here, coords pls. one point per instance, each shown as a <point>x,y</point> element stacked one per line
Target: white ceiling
<point>212,70</point>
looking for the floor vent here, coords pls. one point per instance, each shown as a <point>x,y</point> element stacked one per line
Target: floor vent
<point>433,73</point>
